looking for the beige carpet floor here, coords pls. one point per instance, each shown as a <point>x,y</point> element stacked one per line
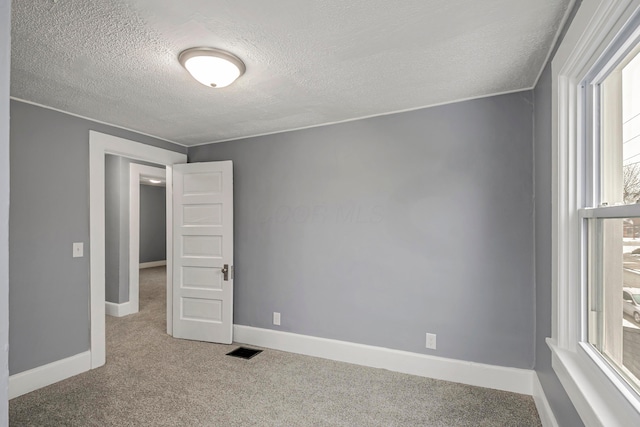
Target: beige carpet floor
<point>151,379</point>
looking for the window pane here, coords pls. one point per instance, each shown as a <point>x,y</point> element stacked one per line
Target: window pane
<point>614,293</point>
<point>620,127</point>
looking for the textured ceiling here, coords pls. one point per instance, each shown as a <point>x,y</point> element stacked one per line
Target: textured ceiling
<point>308,62</point>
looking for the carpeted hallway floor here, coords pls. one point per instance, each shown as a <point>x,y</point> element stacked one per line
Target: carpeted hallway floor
<point>151,379</point>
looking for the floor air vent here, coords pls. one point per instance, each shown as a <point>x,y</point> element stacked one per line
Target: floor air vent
<point>244,353</point>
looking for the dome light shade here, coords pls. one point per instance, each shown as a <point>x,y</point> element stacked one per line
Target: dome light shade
<point>212,67</point>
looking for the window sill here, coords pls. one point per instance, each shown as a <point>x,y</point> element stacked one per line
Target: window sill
<point>601,399</point>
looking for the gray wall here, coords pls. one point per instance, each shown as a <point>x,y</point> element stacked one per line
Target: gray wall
<point>117,228</point>
<point>112,220</point>
<point>49,290</point>
<point>5,49</point>
<point>153,219</point>
<point>380,230</point>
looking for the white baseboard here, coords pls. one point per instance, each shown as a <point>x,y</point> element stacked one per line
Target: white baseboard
<point>45,375</point>
<point>542,404</point>
<point>478,374</point>
<point>151,264</point>
<point>117,310</point>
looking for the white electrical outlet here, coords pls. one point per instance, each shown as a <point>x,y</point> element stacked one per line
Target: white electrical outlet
<point>78,250</point>
<point>276,318</point>
<point>431,341</point>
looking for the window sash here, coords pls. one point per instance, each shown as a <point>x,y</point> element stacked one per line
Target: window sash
<point>594,308</point>
<point>618,211</point>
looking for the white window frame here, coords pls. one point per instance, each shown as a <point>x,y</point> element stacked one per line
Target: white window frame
<point>600,396</point>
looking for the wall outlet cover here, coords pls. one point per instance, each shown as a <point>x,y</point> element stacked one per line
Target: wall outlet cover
<point>78,250</point>
<point>431,341</point>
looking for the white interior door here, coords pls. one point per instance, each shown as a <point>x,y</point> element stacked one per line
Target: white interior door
<point>203,251</point>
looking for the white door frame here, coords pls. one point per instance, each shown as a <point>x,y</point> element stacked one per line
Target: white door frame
<point>135,171</point>
<point>99,145</point>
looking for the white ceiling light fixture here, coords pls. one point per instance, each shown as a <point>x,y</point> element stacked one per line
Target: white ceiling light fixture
<point>154,181</point>
<point>212,67</point>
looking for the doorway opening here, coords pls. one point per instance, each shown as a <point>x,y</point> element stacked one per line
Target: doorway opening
<point>99,146</point>
<point>131,190</point>
<point>147,244</point>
